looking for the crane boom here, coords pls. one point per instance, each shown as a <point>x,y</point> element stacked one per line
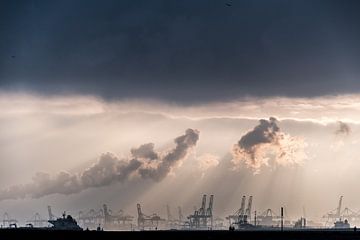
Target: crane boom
<point>338,212</point>
<point>169,218</point>
<point>203,205</point>
<point>209,210</point>
<point>139,210</point>
<point>242,207</point>
<point>51,215</point>
<point>248,209</point>
<point>180,214</point>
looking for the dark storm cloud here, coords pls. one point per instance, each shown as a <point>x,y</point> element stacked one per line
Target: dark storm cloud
<point>185,51</point>
<point>107,170</point>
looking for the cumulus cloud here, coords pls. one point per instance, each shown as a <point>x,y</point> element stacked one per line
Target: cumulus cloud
<point>163,167</point>
<point>145,151</point>
<point>108,170</point>
<point>267,142</point>
<point>207,161</point>
<point>144,162</point>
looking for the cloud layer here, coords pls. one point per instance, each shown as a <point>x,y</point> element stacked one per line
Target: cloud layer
<point>324,110</point>
<point>207,161</point>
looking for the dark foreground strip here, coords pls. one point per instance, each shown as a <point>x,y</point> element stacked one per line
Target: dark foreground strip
<point>174,235</point>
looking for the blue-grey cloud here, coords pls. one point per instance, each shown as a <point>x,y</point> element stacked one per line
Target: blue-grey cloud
<point>185,51</point>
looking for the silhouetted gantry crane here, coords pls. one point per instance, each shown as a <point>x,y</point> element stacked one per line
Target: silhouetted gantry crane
<point>37,221</point>
<point>151,221</point>
<point>118,220</point>
<point>200,218</point>
<point>106,218</point>
<point>170,221</point>
<point>8,221</point>
<point>268,218</point>
<point>334,214</point>
<point>242,215</point>
<point>173,222</point>
<point>91,219</point>
<point>181,216</point>
<point>338,214</point>
<point>51,215</point>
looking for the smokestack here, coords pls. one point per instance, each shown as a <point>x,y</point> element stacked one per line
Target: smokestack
<point>255,218</point>
<point>282,218</point>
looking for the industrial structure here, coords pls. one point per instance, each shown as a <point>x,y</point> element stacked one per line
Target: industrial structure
<point>202,218</point>
<point>181,216</point>
<point>339,216</point>
<point>51,215</point>
<point>300,224</point>
<point>242,215</point>
<point>66,222</point>
<point>91,219</point>
<point>37,221</point>
<point>219,223</point>
<point>350,215</point>
<point>268,218</point>
<point>105,218</point>
<point>335,214</point>
<point>8,221</point>
<point>120,220</point>
<point>148,221</point>
<point>172,222</point>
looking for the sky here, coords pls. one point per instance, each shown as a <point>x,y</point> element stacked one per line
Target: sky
<point>121,102</point>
